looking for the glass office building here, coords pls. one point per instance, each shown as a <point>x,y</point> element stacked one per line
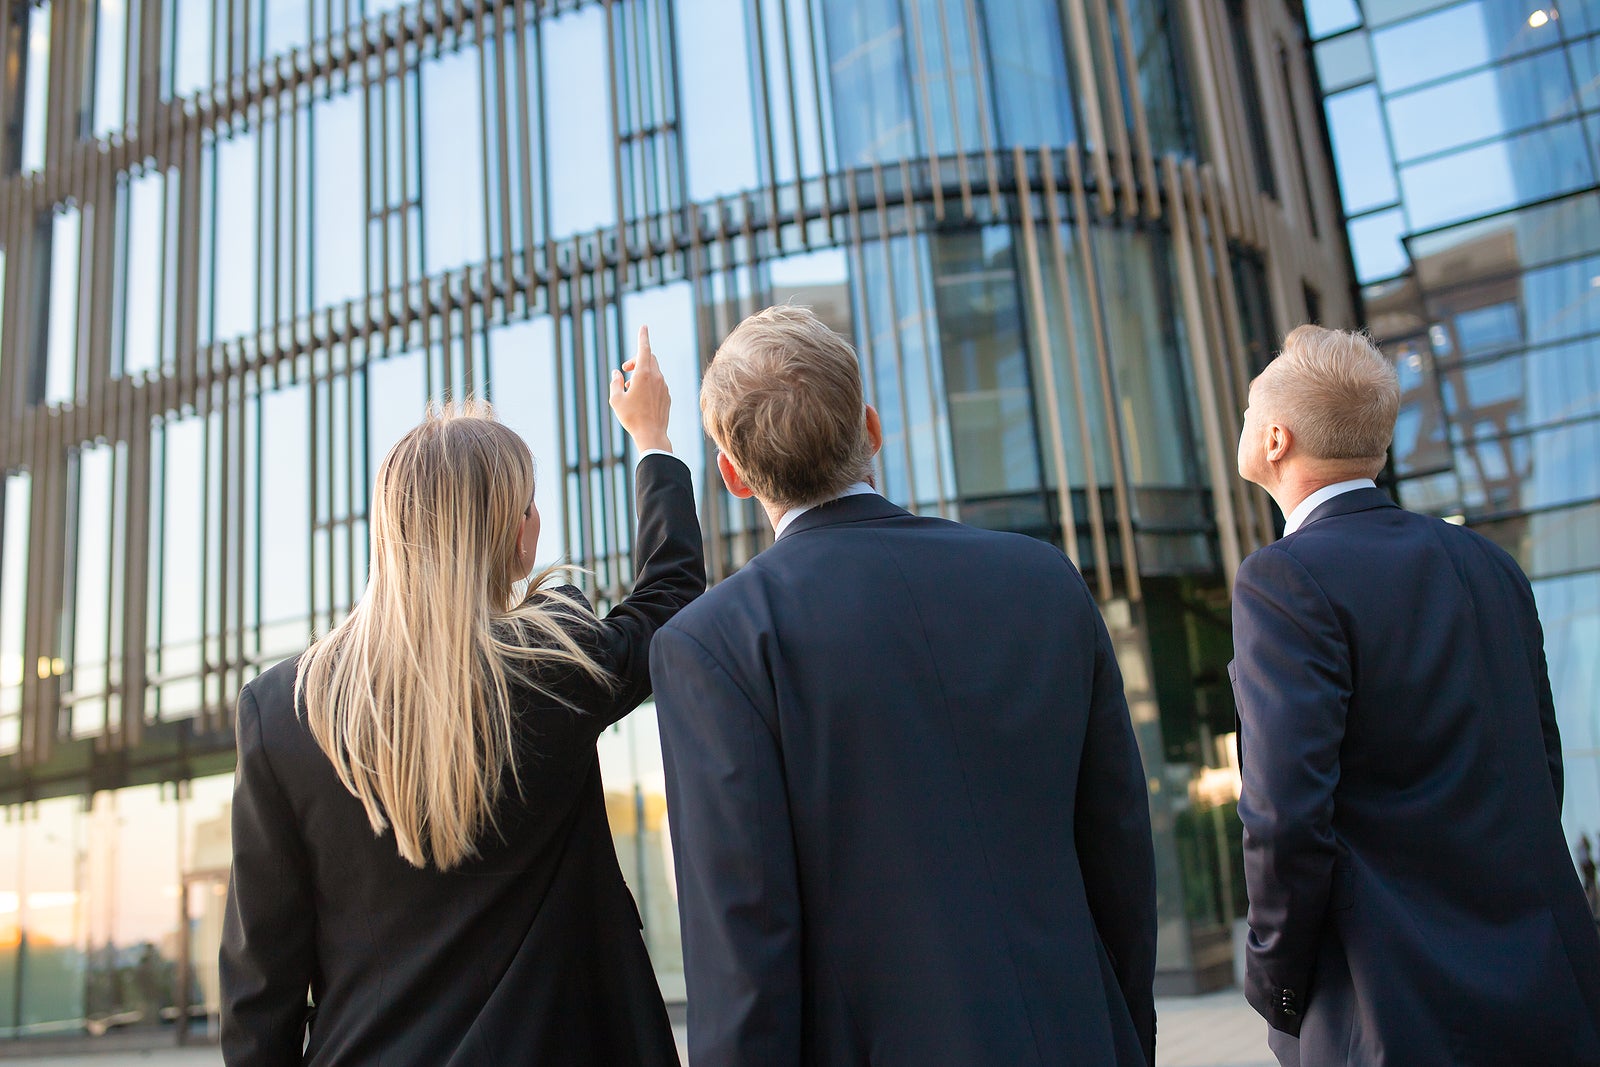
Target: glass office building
<point>1469,176</point>
<point>244,242</point>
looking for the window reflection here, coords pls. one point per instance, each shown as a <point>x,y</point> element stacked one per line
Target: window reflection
<point>985,364</point>
<point>1480,180</point>
<point>187,58</point>
<point>871,97</point>
<point>49,912</point>
<point>144,202</point>
<point>713,69</point>
<point>674,336</point>
<point>1569,609</point>
<point>91,522</point>
<point>110,42</point>
<point>1479,106</point>
<point>522,375</point>
<point>15,499</point>
<point>578,118</point>
<point>178,493</point>
<point>237,202</point>
<point>452,162</point>
<point>285,511</point>
<point>35,85</point>
<point>1031,87</point>
<point>1376,246</point>
<point>61,331</point>
<point>1360,150</point>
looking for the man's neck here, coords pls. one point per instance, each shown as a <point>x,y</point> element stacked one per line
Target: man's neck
<point>1298,483</point>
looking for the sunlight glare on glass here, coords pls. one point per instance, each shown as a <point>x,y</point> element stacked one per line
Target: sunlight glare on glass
<point>1539,18</point>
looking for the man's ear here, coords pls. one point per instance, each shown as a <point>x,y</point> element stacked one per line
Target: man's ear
<point>731,479</point>
<point>1279,440</point>
<point>874,429</point>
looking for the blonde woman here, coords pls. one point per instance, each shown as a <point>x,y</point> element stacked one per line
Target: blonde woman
<point>420,837</point>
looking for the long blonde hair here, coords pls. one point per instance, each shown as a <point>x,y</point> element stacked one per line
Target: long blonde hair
<point>410,696</point>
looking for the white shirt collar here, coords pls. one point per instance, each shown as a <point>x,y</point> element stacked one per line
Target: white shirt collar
<point>794,513</point>
<point>1303,510</point>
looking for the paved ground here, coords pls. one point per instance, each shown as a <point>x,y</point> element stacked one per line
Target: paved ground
<point>1217,1030</point>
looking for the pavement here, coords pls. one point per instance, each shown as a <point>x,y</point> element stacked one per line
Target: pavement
<point>1215,1030</point>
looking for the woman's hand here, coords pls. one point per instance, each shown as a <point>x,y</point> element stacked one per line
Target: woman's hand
<point>642,402</point>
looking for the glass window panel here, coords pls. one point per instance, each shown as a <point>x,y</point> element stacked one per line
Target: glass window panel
<point>1327,17</point>
<point>1562,301</point>
<point>1476,181</point>
<point>11,859</point>
<point>50,913</point>
<point>286,24</point>
<point>452,162</point>
<point>1155,41</point>
<point>985,357</point>
<point>522,374</point>
<point>674,337</point>
<point>1421,431</point>
<point>1569,610</point>
<point>146,207</point>
<point>1530,237</point>
<point>1478,31</point>
<point>880,335</point>
<point>1032,91</point>
<point>871,92</point>
<point>1540,469</point>
<point>1376,246</point>
<point>1343,62</point>
<point>578,118</point>
<point>285,521</point>
<point>13,595</point>
<point>340,210</point>
<point>110,40</point>
<point>234,268</point>
<point>61,357</point>
<point>636,805</point>
<point>1584,56</point>
<point>1478,106</point>
<point>944,72</point>
<point>718,126</point>
<point>1146,348</point>
<point>191,47</point>
<point>36,85</point>
<point>132,907</point>
<point>94,577</point>
<point>1361,150</point>
<point>1491,328</point>
<point>182,489</point>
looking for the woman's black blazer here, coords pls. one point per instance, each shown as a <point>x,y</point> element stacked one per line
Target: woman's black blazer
<point>530,953</point>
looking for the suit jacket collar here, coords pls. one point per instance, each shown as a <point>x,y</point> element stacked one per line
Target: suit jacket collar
<point>845,509</point>
<point>1348,504</point>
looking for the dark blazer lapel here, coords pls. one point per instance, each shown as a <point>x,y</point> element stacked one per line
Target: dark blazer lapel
<point>859,508</point>
<point>1349,503</point>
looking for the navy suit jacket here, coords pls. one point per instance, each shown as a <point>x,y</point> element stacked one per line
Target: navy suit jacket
<point>908,813</point>
<point>1411,897</point>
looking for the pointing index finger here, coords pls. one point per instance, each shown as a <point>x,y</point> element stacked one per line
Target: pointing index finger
<point>645,357</point>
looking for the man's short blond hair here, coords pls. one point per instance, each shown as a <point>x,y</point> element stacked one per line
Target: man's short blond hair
<point>782,399</point>
<point>1337,394</point>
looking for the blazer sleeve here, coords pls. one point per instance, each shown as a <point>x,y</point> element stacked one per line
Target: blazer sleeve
<point>733,847</point>
<point>670,572</point>
<point>1292,685</point>
<point>1112,827</point>
<point>268,954</point>
<point>1547,704</point>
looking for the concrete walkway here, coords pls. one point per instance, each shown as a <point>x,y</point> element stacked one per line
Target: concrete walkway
<point>1217,1030</point>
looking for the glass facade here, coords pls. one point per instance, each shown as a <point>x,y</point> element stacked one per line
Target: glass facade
<point>242,245</point>
<point>1469,177</point>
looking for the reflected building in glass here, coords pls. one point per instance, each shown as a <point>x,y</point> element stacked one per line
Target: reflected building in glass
<point>1468,174</point>
<point>244,243</point>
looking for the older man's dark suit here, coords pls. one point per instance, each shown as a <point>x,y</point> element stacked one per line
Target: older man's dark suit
<point>908,813</point>
<point>1411,898</point>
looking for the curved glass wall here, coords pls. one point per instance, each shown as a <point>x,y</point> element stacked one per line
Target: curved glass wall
<point>230,288</point>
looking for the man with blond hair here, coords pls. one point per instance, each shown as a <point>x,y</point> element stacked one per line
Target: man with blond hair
<point>908,813</point>
<point>1411,899</point>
